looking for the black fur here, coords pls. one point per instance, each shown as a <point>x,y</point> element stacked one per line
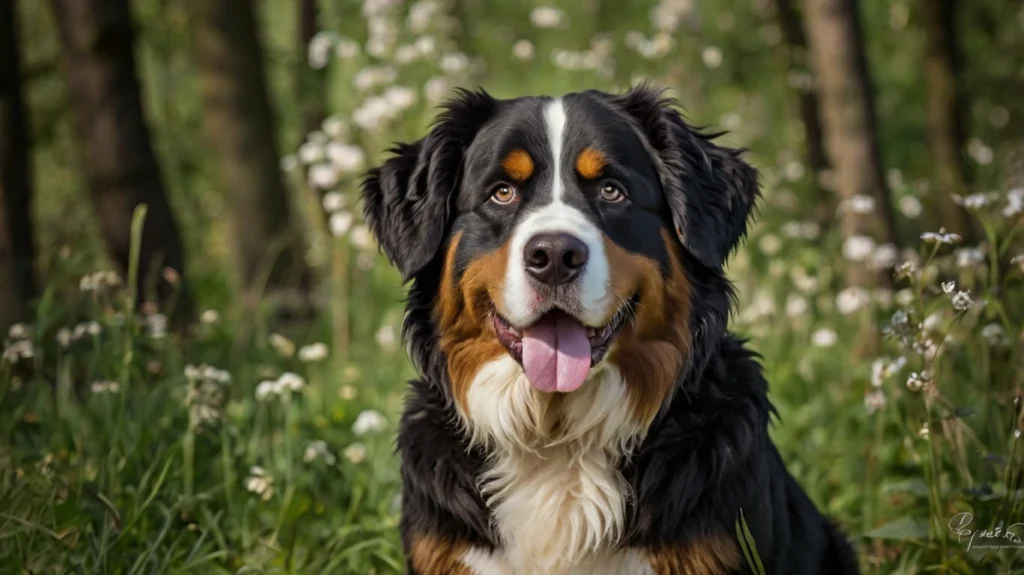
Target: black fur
<point>708,454</point>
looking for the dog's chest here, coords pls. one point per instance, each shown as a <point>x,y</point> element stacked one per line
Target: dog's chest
<point>559,511</point>
<point>621,562</point>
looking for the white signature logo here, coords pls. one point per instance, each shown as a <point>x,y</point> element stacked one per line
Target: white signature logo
<point>1011,536</point>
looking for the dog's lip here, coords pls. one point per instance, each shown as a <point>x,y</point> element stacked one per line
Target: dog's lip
<point>600,337</point>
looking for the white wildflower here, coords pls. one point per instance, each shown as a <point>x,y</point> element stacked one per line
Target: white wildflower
<point>284,346</point>
<point>311,153</point>
<point>260,483</point>
<point>995,335</point>
<point>318,450</point>
<point>923,433</point>
<point>426,45</point>
<point>356,453</point>
<point>104,386</point>
<point>361,237</point>
<point>324,176</point>
<point>291,381</point>
<point>874,401</point>
<point>933,322</point>
<point>852,299</point>
<point>334,127</point>
<point>340,223</point>
<point>796,305</point>
<point>209,317</point>
<point>1014,203</point>
<point>345,157</point>
<point>974,201</point>
<point>859,204</point>
<point>547,17</point>
<point>910,207</point>
<point>333,202</point>
<point>63,337</point>
<point>523,50</point>
<point>883,257</point>
<point>18,331</point>
<point>770,244</point>
<point>918,381</point>
<point>941,237</point>
<point>824,337</point>
<point>454,63</point>
<point>346,48</point>
<point>399,98</point>
<point>314,352</point>
<point>386,337</point>
<point>347,392</point>
<point>435,89</point>
<point>948,287</point>
<point>712,57</point>
<point>319,49</point>
<point>369,421</point>
<point>267,389</point>
<point>962,300</point>
<point>970,257</point>
<point>858,248</point>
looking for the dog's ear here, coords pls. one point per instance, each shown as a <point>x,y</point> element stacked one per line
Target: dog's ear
<point>710,189</point>
<point>407,201</point>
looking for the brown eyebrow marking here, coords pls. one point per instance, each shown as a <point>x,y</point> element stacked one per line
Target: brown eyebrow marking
<point>518,165</point>
<point>590,163</point>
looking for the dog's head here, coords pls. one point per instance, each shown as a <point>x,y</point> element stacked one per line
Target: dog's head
<point>566,256</point>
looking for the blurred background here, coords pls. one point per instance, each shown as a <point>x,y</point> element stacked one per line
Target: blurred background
<point>202,366</point>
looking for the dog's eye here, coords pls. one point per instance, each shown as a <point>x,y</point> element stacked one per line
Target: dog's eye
<point>612,193</point>
<point>504,194</point>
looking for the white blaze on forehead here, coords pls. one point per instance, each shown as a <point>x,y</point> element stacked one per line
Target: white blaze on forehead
<point>554,119</point>
<point>593,287</point>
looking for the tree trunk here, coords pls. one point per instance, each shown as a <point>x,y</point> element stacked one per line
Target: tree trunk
<point>113,140</point>
<point>17,278</point>
<point>796,44</point>
<point>848,114</point>
<point>240,124</point>
<point>945,111</point>
<point>310,83</point>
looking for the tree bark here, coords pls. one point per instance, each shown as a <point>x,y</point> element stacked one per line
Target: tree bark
<point>240,124</point>
<point>849,119</point>
<point>310,84</point>
<point>807,99</point>
<point>17,252</point>
<point>113,141</point>
<point>946,134</point>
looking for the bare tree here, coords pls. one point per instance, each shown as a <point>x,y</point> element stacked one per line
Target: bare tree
<point>113,139</point>
<point>807,99</point>
<point>945,110</point>
<point>848,113</point>
<point>17,276</point>
<point>310,83</point>
<point>240,124</point>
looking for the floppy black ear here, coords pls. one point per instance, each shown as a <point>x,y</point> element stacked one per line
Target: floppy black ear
<point>711,190</point>
<point>407,200</point>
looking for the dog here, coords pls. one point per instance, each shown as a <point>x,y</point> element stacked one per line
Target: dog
<point>581,407</point>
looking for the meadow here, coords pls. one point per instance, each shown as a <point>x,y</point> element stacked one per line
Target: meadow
<point>243,442</point>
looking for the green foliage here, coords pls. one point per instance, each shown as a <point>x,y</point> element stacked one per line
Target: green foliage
<point>124,451</point>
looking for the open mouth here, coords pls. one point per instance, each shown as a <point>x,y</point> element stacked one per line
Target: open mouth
<point>557,351</point>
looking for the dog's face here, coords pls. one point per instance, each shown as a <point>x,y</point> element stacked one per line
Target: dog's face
<point>563,247</point>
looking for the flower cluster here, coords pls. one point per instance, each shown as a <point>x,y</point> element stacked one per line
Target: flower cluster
<point>18,346</point>
<point>206,394</point>
<point>282,387</point>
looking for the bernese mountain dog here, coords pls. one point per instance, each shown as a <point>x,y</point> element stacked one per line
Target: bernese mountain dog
<point>581,407</point>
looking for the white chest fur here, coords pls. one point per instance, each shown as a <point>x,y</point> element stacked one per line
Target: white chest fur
<point>553,486</point>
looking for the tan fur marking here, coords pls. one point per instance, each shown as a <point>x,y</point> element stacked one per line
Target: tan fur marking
<point>651,349</point>
<point>518,165</point>
<point>463,316</point>
<point>436,556</point>
<point>590,163</point>
<point>714,555</point>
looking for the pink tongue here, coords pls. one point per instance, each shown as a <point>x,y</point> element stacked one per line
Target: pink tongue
<point>556,353</point>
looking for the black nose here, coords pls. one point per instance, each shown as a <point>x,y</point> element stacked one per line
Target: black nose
<point>555,259</point>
